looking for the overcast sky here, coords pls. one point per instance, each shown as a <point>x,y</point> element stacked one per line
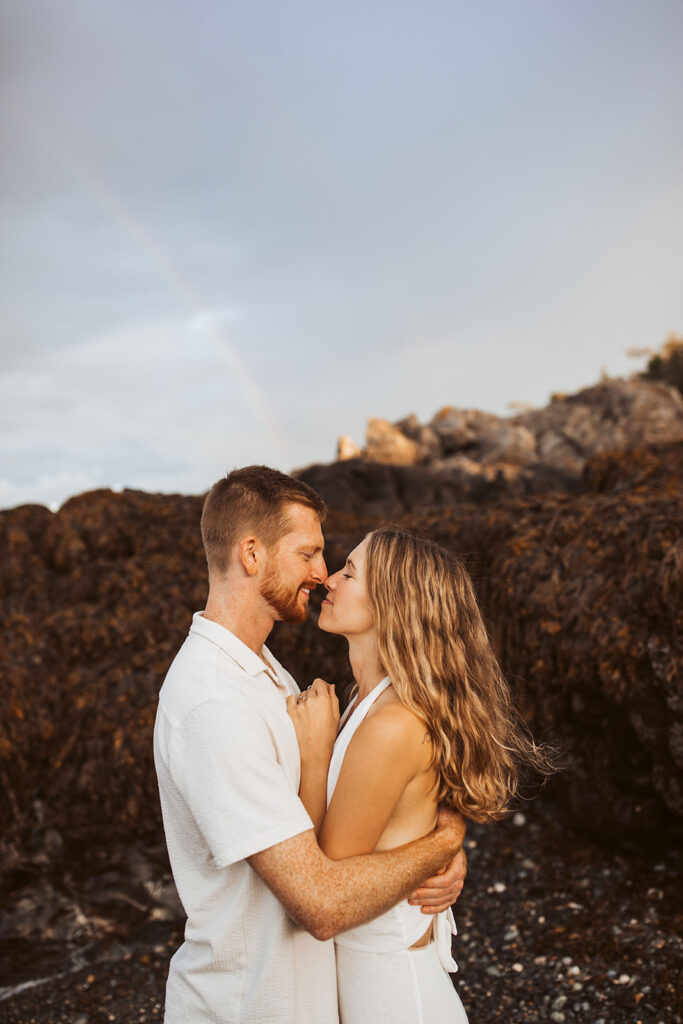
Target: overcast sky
<point>233,231</point>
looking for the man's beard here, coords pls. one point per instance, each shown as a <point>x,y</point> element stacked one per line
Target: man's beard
<point>283,599</point>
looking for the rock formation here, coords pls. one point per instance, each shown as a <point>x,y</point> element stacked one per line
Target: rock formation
<point>558,439</point>
<point>387,443</point>
<point>611,416</point>
<point>582,590</point>
<point>568,517</point>
<point>583,593</point>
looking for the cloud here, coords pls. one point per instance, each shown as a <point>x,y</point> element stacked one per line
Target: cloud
<point>42,489</point>
<point>284,219</point>
<point>164,405</point>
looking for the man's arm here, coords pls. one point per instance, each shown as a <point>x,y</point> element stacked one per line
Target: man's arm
<point>364,797</point>
<point>442,890</point>
<point>327,897</point>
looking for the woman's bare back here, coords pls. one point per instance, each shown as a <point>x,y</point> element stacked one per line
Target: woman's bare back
<point>415,813</point>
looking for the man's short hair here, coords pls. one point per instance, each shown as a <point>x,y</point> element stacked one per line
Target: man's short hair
<point>253,498</point>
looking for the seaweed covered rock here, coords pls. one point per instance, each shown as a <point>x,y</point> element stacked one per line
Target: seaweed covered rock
<point>583,594</point>
<point>584,601</point>
<point>582,591</point>
<point>96,599</point>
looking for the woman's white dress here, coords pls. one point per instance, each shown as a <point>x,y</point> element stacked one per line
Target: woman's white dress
<point>379,978</point>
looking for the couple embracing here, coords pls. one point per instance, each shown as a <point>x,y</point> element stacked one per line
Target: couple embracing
<point>317,858</point>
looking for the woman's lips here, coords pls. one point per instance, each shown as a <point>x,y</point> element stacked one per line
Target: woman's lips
<point>327,601</point>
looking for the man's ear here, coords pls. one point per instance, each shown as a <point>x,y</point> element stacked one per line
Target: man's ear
<point>250,554</point>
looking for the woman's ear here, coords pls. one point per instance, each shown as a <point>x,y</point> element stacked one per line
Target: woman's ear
<point>249,555</point>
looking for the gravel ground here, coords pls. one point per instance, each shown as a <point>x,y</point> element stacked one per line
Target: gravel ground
<point>551,929</point>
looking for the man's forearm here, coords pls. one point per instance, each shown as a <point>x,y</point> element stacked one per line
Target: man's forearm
<point>328,896</point>
<point>367,886</point>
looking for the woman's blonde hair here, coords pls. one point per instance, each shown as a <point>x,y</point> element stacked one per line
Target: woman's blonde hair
<point>434,647</point>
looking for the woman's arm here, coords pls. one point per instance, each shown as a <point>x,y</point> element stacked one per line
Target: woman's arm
<point>313,790</point>
<point>384,755</point>
<point>315,718</point>
<point>365,782</point>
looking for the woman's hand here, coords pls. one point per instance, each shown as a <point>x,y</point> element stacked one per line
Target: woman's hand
<point>315,716</point>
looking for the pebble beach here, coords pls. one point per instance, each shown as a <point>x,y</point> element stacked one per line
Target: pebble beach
<point>552,928</point>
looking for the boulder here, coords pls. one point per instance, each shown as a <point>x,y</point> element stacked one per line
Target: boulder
<point>425,437</point>
<point>464,466</point>
<point>410,426</point>
<point>347,449</point>
<point>385,443</point>
<point>612,415</point>
<point>507,443</point>
<point>555,441</point>
<point>457,428</point>
<point>483,437</point>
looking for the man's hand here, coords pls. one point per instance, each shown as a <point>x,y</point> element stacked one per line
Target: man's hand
<point>442,889</point>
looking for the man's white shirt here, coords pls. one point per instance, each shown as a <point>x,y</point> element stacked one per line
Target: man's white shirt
<point>228,766</point>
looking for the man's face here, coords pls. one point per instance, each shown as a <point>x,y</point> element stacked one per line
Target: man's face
<point>295,565</point>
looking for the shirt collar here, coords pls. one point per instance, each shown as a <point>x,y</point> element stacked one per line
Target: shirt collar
<point>232,645</point>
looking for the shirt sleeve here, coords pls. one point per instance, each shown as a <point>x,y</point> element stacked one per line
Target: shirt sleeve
<point>225,766</point>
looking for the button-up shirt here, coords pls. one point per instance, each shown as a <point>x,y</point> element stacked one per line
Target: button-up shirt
<point>228,766</point>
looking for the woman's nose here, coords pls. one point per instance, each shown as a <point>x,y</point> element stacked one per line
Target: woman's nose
<point>331,582</point>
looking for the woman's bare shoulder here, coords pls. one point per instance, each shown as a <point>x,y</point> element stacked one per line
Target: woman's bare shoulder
<point>392,721</point>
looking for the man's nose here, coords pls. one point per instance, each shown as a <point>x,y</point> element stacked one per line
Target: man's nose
<point>320,571</point>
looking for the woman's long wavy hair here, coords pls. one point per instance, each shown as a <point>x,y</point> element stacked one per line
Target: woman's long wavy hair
<point>434,647</point>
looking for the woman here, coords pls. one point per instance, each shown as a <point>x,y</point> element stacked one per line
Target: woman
<point>431,722</point>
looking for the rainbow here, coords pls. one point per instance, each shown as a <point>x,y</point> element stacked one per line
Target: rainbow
<point>95,184</point>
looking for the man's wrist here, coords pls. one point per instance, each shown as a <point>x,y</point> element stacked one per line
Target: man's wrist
<point>452,837</point>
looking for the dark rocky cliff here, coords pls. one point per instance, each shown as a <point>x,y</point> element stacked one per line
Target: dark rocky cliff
<point>583,595</point>
<point>582,589</point>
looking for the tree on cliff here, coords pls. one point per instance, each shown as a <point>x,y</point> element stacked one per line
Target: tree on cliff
<point>667,364</point>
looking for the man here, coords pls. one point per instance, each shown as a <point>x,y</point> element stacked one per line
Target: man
<point>262,900</point>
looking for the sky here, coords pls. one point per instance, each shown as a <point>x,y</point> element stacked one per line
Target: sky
<point>232,232</point>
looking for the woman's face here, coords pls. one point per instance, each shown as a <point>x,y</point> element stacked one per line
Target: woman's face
<point>346,609</point>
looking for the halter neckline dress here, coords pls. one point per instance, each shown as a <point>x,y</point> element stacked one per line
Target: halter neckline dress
<point>379,976</point>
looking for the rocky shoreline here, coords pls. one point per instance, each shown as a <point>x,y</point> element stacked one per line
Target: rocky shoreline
<point>551,928</point>
<point>572,910</point>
